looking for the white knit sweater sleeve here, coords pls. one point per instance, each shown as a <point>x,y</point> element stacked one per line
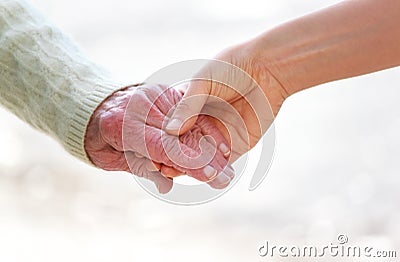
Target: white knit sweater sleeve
<point>45,80</point>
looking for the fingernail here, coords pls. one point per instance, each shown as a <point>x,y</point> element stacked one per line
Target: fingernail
<point>222,179</point>
<point>230,172</point>
<point>174,124</point>
<point>224,149</point>
<point>138,155</point>
<point>210,172</point>
<point>151,167</point>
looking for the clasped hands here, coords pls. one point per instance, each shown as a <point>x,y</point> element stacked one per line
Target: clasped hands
<point>159,132</point>
<point>126,134</point>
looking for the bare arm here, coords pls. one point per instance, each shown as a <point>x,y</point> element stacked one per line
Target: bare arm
<point>345,40</point>
<point>348,39</point>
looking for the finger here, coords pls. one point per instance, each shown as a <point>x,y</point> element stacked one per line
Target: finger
<point>138,155</point>
<point>221,181</point>
<point>181,88</point>
<point>217,172</point>
<point>225,172</point>
<point>170,172</point>
<point>205,174</point>
<point>209,129</point>
<point>163,184</point>
<point>203,165</point>
<point>230,172</point>
<point>153,166</point>
<point>170,151</point>
<point>187,110</point>
<point>138,167</point>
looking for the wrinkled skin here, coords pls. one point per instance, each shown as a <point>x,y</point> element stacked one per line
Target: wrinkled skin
<point>125,134</point>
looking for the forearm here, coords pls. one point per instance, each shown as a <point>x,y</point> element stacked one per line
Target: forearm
<point>349,39</point>
<point>44,79</point>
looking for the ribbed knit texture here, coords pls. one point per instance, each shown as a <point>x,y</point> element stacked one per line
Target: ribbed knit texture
<point>44,78</point>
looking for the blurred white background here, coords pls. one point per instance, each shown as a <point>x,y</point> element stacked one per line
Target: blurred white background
<point>335,171</point>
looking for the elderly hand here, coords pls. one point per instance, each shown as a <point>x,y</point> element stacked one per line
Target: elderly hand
<point>125,134</point>
<point>240,91</point>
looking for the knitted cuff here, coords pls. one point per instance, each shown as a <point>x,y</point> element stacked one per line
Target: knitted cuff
<point>75,138</point>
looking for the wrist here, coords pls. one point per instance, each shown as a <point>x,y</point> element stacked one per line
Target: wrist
<point>278,56</point>
<point>115,104</point>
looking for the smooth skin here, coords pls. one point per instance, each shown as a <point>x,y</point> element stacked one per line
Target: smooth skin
<point>349,39</point>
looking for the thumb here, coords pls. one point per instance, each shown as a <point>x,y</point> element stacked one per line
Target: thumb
<point>188,109</point>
